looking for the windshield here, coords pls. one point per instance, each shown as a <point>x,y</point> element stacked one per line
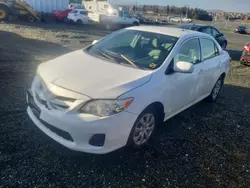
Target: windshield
<point>142,49</point>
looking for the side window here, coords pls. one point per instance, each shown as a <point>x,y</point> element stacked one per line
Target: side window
<point>84,13</point>
<point>207,30</point>
<point>190,52</point>
<point>215,32</point>
<point>209,49</point>
<point>120,14</point>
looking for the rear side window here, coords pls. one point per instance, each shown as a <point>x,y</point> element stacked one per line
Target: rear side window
<point>209,49</point>
<point>215,32</point>
<point>74,11</point>
<point>207,30</point>
<point>84,13</point>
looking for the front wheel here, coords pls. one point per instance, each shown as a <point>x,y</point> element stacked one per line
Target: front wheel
<point>216,90</point>
<point>4,13</point>
<point>143,129</point>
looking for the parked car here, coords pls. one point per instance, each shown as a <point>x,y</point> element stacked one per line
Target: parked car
<point>245,57</point>
<point>186,20</point>
<point>79,16</point>
<point>241,30</point>
<point>176,19</point>
<point>221,39</point>
<point>115,92</point>
<point>61,15</point>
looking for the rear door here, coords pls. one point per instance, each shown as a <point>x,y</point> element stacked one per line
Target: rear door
<point>84,16</point>
<point>211,63</point>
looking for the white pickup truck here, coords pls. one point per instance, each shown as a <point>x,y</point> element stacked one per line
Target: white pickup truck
<point>103,12</point>
<point>123,19</point>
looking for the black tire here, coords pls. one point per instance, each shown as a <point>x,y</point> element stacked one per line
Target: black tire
<point>136,23</point>
<point>216,90</point>
<point>79,22</point>
<point>31,19</point>
<point>131,142</point>
<point>4,13</point>
<point>224,46</point>
<point>108,27</point>
<point>66,20</point>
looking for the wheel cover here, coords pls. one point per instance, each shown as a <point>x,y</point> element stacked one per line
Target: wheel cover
<point>31,19</point>
<point>217,88</point>
<point>2,14</point>
<point>144,129</point>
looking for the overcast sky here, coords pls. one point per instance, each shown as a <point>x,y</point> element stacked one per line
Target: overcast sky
<point>225,5</point>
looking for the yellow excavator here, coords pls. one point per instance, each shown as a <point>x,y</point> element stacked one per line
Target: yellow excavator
<point>18,8</point>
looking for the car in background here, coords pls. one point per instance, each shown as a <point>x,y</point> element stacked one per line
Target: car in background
<point>175,19</point>
<point>219,37</point>
<point>79,16</point>
<point>117,91</point>
<point>245,57</point>
<point>241,29</point>
<point>186,20</point>
<point>61,15</point>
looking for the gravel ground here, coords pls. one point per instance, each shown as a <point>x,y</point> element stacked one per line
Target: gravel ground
<point>207,145</point>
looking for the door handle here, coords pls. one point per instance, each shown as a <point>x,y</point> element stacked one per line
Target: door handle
<point>201,71</point>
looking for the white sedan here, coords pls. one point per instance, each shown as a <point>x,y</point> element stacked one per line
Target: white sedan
<point>79,16</point>
<point>117,91</point>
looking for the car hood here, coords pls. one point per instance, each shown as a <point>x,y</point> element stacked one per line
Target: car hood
<point>91,76</point>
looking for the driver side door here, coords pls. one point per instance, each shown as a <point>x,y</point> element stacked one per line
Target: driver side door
<point>184,89</point>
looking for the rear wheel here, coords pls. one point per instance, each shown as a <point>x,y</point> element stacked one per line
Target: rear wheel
<point>79,22</point>
<point>31,19</point>
<point>108,27</point>
<point>216,90</point>
<point>224,45</point>
<point>4,13</point>
<point>136,24</point>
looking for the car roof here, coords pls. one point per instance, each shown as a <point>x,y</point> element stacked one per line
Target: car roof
<point>171,31</point>
<point>80,9</point>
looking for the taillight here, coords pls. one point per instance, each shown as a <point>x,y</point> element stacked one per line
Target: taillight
<point>247,48</point>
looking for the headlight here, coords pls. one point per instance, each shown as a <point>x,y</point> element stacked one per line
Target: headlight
<point>104,108</point>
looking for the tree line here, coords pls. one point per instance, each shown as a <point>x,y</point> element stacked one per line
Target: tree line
<point>194,13</point>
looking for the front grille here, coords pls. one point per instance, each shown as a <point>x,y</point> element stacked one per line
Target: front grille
<point>51,101</point>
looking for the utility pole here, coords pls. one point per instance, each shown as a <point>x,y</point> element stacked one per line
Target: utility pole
<point>136,4</point>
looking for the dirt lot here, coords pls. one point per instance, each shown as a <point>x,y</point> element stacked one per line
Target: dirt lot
<point>208,145</point>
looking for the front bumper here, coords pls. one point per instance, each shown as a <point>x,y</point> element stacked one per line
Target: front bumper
<point>74,130</point>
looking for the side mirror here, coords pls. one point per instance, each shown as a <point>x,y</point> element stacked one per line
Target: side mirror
<point>94,41</point>
<point>184,67</point>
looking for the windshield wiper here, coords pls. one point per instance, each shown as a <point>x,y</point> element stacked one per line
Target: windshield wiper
<point>106,55</point>
<point>123,57</point>
<point>129,61</point>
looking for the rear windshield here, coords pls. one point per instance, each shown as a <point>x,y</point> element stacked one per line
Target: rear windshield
<point>190,27</point>
<point>242,27</point>
<point>146,50</point>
